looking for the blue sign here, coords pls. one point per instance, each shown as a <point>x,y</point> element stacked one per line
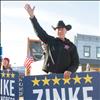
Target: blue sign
<point>80,86</point>
<point>9,85</point>
<point>20,86</point>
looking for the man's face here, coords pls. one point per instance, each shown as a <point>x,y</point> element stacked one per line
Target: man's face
<point>61,32</point>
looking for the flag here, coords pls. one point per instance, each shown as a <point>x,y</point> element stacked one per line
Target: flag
<point>28,62</point>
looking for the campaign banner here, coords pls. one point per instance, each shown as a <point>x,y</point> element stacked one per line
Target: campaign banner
<point>20,86</point>
<point>9,85</point>
<point>80,86</point>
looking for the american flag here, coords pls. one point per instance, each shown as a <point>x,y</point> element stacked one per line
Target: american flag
<point>28,62</point>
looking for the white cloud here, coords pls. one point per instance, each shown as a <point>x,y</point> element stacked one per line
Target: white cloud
<point>15,12</point>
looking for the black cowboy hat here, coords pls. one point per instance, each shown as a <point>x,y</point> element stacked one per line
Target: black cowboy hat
<point>61,24</point>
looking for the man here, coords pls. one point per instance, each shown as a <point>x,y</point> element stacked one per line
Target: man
<point>62,54</point>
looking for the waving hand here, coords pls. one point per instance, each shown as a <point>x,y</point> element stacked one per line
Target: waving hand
<point>30,10</point>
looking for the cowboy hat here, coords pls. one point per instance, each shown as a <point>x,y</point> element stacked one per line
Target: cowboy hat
<point>61,24</point>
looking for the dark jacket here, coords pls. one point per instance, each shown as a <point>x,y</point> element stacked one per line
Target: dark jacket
<point>7,69</point>
<point>61,55</point>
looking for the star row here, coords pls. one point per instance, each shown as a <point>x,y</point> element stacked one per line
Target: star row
<point>56,81</point>
<point>7,75</point>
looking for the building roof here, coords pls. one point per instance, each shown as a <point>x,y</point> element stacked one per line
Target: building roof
<point>87,37</point>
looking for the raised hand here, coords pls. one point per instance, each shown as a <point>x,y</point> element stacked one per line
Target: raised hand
<point>30,10</point>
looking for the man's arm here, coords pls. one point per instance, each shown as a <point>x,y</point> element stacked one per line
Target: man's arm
<point>40,32</point>
<point>38,29</point>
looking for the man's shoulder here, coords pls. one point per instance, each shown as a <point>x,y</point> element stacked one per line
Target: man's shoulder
<point>70,42</point>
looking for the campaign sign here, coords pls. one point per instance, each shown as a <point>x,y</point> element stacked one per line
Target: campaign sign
<point>20,86</point>
<point>80,86</point>
<point>9,85</point>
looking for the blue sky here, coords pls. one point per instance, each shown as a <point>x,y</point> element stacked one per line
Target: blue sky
<point>84,16</point>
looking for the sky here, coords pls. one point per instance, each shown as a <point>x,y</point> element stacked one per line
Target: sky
<point>84,16</point>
